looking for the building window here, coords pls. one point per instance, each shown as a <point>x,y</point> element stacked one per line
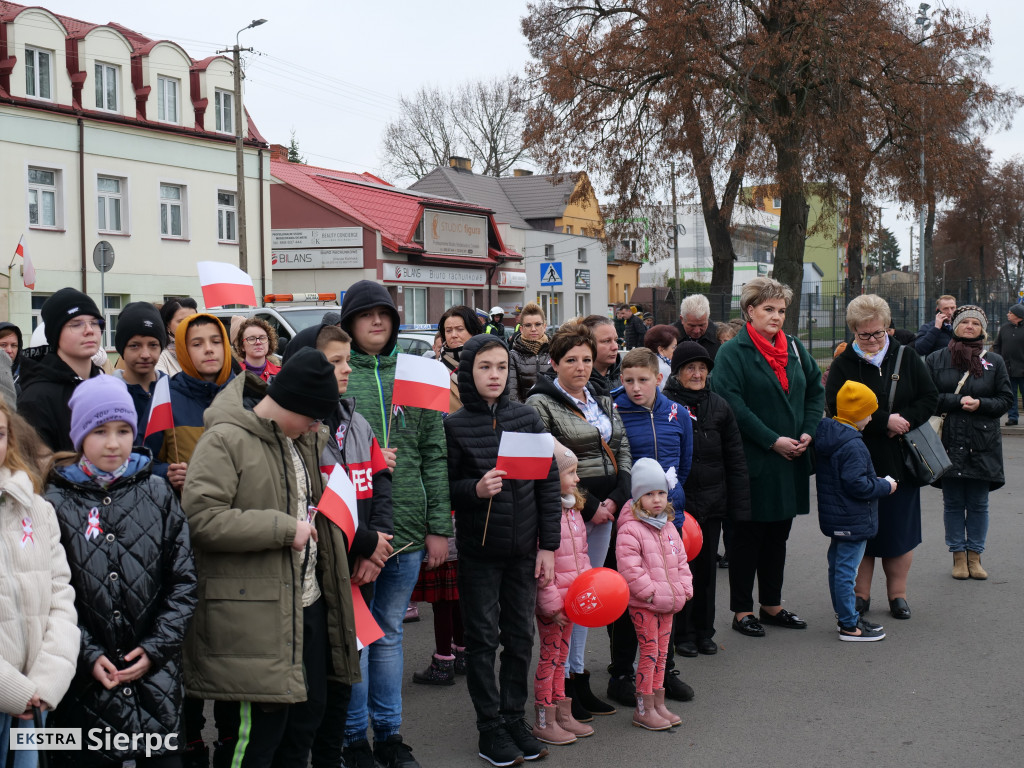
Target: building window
<point>777,203</point>
<point>38,299</point>
<point>227,213</point>
<point>38,77</point>
<point>106,87</point>
<point>110,203</point>
<point>582,310</point>
<point>454,297</point>
<point>581,255</point>
<point>549,251</point>
<point>167,100</point>
<point>223,105</point>
<point>44,197</point>
<point>416,305</point>
<point>111,314</point>
<point>549,304</point>
<point>172,210</point>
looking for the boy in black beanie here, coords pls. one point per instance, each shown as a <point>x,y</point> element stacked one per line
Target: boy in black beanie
<point>139,339</point>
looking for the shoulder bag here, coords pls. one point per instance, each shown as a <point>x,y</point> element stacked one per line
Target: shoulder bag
<point>924,458</point>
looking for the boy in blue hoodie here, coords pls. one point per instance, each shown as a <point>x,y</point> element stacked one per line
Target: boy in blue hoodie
<point>848,494</point>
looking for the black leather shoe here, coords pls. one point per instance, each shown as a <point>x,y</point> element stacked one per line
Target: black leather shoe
<point>687,648</point>
<point>783,619</point>
<point>748,626</point>
<point>899,609</point>
<point>862,605</point>
<point>707,646</point>
<point>675,688</point>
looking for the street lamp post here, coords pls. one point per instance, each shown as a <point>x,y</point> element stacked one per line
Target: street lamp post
<point>243,254</point>
<point>923,23</point>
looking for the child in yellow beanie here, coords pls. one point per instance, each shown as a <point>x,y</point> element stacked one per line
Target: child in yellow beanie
<point>848,493</point>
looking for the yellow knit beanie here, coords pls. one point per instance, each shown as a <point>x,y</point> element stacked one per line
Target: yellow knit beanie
<point>855,401</point>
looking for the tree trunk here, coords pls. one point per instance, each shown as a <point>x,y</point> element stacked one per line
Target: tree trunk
<point>855,249</point>
<point>789,256</point>
<point>722,255</point>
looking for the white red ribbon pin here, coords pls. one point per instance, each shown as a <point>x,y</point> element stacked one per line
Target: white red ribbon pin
<point>93,529</point>
<point>27,536</point>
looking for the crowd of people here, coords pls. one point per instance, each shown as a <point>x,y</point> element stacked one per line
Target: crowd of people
<point>152,567</point>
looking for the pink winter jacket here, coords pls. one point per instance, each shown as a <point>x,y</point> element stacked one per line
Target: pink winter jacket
<point>570,561</point>
<point>653,563</point>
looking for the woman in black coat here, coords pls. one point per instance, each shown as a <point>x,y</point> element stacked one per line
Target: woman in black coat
<point>970,435</point>
<point>871,360</point>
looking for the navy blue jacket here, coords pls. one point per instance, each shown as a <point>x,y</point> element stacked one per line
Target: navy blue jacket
<point>848,487</point>
<point>929,338</point>
<point>662,433</point>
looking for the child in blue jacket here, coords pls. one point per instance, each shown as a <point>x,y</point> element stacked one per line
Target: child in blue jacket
<point>848,493</point>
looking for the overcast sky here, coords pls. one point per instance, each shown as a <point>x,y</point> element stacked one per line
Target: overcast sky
<point>333,71</point>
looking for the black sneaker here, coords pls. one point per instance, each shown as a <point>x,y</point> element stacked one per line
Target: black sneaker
<point>394,753</point>
<point>867,635</point>
<point>675,688</point>
<point>622,690</point>
<point>358,755</point>
<point>522,735</point>
<point>864,623</point>
<point>498,748</point>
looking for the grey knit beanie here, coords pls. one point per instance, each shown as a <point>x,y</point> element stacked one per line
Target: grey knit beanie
<point>647,476</point>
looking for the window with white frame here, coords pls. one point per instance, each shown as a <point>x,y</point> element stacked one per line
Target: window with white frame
<point>111,200</point>
<point>777,202</point>
<point>416,305</point>
<point>549,251</point>
<point>167,99</point>
<point>44,197</point>
<point>582,308</point>
<point>38,73</point>
<point>38,299</point>
<point>111,314</point>
<point>581,255</point>
<point>454,297</point>
<point>106,87</point>
<point>227,213</point>
<point>224,107</point>
<point>172,210</point>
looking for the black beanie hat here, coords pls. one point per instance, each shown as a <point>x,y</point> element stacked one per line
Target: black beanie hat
<point>306,384</point>
<point>687,352</point>
<point>140,318</point>
<point>66,304</point>
<point>1018,310</point>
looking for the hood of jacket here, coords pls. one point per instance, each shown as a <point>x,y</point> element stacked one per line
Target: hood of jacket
<point>185,360</point>
<point>364,295</point>
<point>304,338</point>
<point>236,407</point>
<point>6,326</point>
<point>832,436</point>
<point>471,399</point>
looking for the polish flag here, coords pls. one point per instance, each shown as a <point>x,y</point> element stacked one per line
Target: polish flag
<point>225,284</point>
<point>338,504</point>
<point>421,383</point>
<point>525,455</point>
<point>160,416</point>
<point>28,272</point>
<point>367,629</point>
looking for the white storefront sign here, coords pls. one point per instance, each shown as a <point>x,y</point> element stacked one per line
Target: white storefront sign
<point>317,258</point>
<point>330,237</point>
<point>415,273</point>
<point>454,234</point>
<point>512,279</point>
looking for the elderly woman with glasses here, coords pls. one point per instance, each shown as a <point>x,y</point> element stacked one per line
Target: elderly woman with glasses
<point>871,360</point>
<point>253,344</point>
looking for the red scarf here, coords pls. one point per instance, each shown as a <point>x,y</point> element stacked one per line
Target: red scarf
<point>777,355</point>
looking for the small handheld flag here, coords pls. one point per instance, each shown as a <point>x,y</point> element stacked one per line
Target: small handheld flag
<point>224,284</point>
<point>421,383</point>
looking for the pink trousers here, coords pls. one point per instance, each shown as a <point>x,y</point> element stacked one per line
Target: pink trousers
<point>652,634</point>
<point>549,682</point>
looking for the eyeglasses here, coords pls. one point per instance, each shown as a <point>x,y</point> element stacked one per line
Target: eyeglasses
<point>78,325</point>
<point>257,339</point>
<point>876,336</point>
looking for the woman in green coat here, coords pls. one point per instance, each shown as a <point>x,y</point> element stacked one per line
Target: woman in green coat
<point>774,387</point>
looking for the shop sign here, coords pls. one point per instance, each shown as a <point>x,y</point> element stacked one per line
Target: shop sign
<point>582,279</point>
<point>317,258</point>
<point>328,237</point>
<point>396,272</point>
<point>512,279</point>
<point>454,234</point>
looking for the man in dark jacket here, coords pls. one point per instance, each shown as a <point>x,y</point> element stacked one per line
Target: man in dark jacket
<point>1009,345</point>
<point>937,334</point>
<point>11,342</point>
<point>507,532</point>
<point>74,332</point>
<point>695,324</point>
<point>634,329</point>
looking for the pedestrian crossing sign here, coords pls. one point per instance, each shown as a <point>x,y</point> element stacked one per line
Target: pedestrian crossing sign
<point>551,273</point>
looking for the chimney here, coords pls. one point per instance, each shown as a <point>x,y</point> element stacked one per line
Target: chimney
<point>279,152</point>
<point>461,163</point>
<point>521,172</point>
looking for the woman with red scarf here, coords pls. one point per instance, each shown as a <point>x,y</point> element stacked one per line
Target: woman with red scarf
<point>774,387</point>
<point>974,393</point>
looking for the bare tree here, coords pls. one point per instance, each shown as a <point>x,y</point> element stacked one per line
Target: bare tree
<point>423,136</point>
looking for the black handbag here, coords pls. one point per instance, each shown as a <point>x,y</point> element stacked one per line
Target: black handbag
<point>924,457</point>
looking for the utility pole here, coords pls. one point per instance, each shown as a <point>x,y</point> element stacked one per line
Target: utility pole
<point>923,23</point>
<point>675,230</point>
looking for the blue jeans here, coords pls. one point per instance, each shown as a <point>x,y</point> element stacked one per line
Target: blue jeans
<point>598,539</point>
<point>843,561</point>
<point>21,759</point>
<point>378,697</point>
<point>965,513</point>
<point>1016,385</point>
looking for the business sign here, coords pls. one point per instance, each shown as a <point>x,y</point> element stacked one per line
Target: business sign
<point>329,237</point>
<point>454,234</point>
<point>550,273</point>
<point>511,279</point>
<point>317,258</point>
<point>583,279</point>
<point>396,272</point>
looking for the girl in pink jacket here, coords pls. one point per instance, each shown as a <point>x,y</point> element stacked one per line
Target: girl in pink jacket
<point>555,723</point>
<point>651,557</point>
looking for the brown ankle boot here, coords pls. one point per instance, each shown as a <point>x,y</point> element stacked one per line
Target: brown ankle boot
<point>659,705</point>
<point>563,716</point>
<point>974,565</point>
<point>646,716</point>
<point>960,565</point>
<point>547,729</point>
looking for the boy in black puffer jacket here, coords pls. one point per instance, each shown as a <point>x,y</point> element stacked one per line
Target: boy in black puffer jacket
<point>498,577</point>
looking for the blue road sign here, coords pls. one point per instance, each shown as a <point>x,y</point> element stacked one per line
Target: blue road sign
<point>551,273</point>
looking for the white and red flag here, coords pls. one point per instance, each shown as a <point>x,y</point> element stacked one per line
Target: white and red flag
<point>28,272</point>
<point>160,415</point>
<point>525,455</point>
<point>367,629</point>
<point>338,504</point>
<point>421,383</point>
<point>224,284</point>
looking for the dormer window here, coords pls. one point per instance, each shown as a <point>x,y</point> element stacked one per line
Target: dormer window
<point>167,99</point>
<point>38,74</point>
<point>106,87</point>
<point>224,106</point>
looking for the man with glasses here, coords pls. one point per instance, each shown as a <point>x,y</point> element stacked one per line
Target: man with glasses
<point>936,335</point>
<point>74,333</point>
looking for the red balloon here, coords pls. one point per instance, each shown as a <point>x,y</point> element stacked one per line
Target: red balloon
<point>596,597</point>
<point>693,536</point>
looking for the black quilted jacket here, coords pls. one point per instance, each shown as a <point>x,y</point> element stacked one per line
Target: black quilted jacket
<point>526,514</point>
<point>135,585</point>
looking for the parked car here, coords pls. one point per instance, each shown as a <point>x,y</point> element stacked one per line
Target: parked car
<point>286,321</point>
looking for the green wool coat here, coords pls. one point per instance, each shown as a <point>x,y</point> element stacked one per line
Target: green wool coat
<point>779,488</point>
